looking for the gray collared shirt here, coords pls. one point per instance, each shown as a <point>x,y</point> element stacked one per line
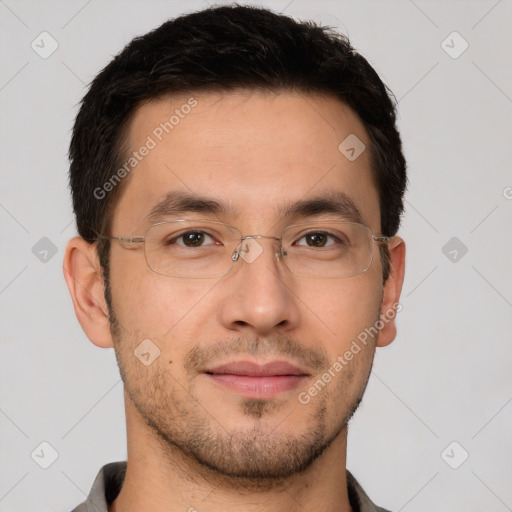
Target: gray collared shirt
<point>110,479</point>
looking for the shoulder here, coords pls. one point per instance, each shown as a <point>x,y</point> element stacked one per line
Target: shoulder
<point>106,487</point>
<point>359,500</point>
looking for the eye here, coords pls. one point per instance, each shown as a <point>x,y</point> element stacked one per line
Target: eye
<point>320,239</point>
<point>191,239</point>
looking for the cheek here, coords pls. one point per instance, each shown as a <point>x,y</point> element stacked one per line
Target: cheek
<point>149,305</point>
<point>150,309</point>
<point>341,309</point>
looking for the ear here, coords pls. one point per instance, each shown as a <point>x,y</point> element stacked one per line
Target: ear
<point>82,272</point>
<point>391,292</point>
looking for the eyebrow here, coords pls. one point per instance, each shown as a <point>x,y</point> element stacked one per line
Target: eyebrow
<point>179,202</point>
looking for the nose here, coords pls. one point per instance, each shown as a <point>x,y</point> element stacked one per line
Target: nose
<point>258,292</point>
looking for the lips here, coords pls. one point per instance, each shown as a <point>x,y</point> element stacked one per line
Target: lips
<point>260,381</point>
<point>250,369</point>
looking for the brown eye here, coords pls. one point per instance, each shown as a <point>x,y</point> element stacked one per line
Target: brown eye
<point>191,239</point>
<point>318,239</point>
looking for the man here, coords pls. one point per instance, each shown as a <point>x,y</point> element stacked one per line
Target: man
<point>237,180</point>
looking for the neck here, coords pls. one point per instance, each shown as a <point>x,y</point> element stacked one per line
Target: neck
<point>161,478</point>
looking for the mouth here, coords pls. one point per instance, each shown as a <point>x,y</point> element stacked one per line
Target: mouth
<point>258,381</point>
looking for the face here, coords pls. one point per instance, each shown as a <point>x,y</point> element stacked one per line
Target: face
<point>240,353</point>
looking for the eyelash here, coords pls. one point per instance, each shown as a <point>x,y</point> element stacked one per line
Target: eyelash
<point>181,236</point>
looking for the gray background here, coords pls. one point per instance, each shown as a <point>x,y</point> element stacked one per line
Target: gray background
<point>446,377</point>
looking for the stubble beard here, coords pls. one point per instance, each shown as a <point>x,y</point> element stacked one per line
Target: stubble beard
<point>255,457</point>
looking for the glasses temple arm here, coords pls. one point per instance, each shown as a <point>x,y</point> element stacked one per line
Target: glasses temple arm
<point>132,240</point>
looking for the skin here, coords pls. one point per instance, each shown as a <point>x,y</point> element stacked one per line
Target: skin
<point>192,442</point>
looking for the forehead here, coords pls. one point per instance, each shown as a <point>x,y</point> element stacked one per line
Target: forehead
<point>256,153</point>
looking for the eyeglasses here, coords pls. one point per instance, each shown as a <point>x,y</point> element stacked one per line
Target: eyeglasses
<point>196,248</point>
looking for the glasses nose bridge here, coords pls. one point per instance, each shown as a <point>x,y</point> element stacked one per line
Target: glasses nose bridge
<point>260,236</point>
<point>240,248</point>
